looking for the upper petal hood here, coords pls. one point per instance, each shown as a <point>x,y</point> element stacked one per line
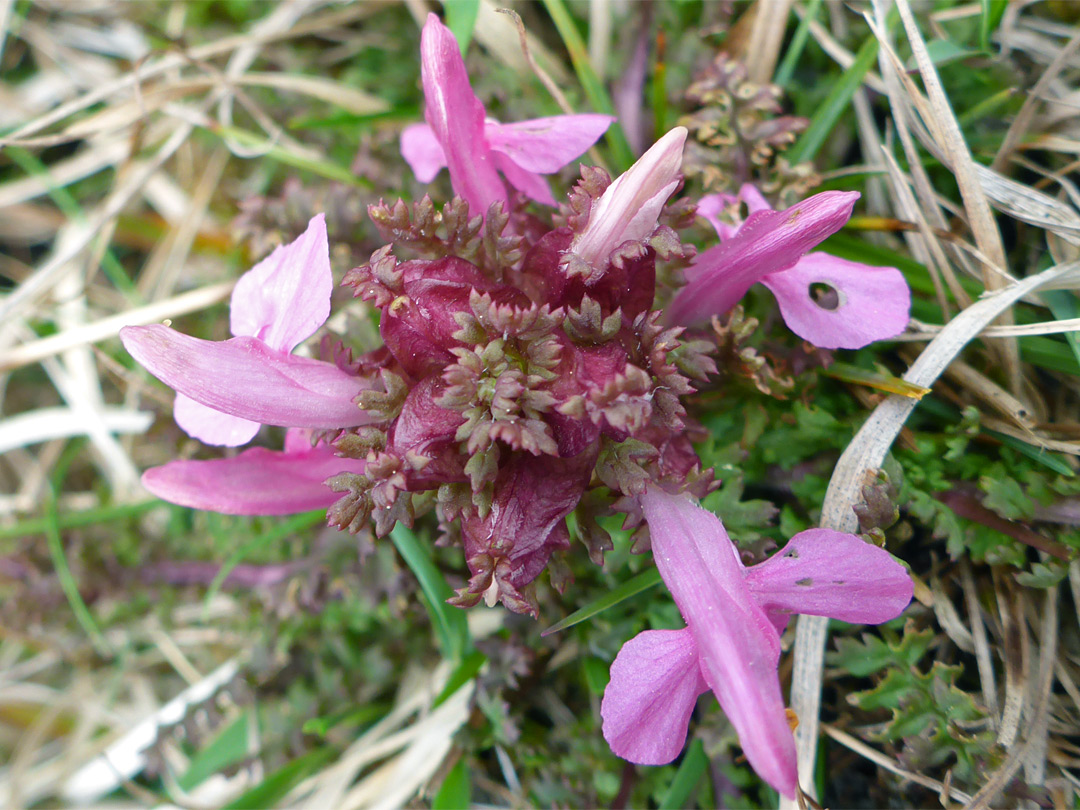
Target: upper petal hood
<point>246,378</point>
<point>769,241</point>
<point>630,206</point>
<point>256,482</point>
<point>456,117</point>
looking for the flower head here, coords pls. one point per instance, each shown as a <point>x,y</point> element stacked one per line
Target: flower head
<point>731,643</point>
<point>475,148</point>
<point>866,303</point>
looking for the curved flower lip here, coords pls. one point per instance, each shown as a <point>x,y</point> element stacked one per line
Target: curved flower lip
<point>646,720</point>
<point>731,641</point>
<point>873,303</point>
<point>244,377</point>
<point>629,208</point>
<point>475,148</point>
<point>255,482</point>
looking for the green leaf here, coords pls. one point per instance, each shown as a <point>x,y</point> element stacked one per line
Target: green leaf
<point>632,587</point>
<point>798,42</point>
<point>687,778</point>
<point>834,106</point>
<point>268,792</point>
<point>943,51</point>
<point>449,622</point>
<point>462,675</point>
<point>456,789</point>
<point>992,12</point>
<point>1054,461</point>
<point>461,19</point>
<point>597,674</point>
<point>226,749</point>
<point>1065,305</point>
<point>590,82</point>
<point>354,718</point>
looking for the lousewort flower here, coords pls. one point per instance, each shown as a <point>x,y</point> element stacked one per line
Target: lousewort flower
<point>475,148</point>
<point>860,304</point>
<point>528,371</point>
<point>731,644</point>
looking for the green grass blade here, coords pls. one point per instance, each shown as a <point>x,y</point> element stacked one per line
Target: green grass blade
<point>632,587</point>
<point>75,520</point>
<point>226,749</point>
<point>274,787</point>
<point>294,524</point>
<point>461,19</point>
<point>1064,305</point>
<point>687,778</point>
<point>456,789</point>
<point>1052,460</point>
<point>590,82</point>
<point>836,103</point>
<point>324,168</point>
<point>449,622</point>
<point>67,581</point>
<point>798,43</point>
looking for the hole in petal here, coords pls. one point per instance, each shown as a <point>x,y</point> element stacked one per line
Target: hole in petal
<point>825,295</point>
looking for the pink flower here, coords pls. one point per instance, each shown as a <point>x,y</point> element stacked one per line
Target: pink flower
<point>627,211</point>
<point>872,303</point>
<point>475,148</point>
<point>731,644</point>
<point>226,389</point>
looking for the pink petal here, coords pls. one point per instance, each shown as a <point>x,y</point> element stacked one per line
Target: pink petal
<point>422,151</point>
<point>628,210</point>
<point>753,199</point>
<point>210,426</point>
<point>256,482</point>
<point>246,378</point>
<point>456,117</point>
<point>284,298</point>
<point>738,646</point>
<point>711,206</point>
<point>545,145</point>
<point>530,184</point>
<point>828,573</point>
<point>874,302</point>
<point>767,242</point>
<point>655,682</point>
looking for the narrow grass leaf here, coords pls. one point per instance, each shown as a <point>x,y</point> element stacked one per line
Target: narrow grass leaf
<point>464,673</point>
<point>874,379</point>
<point>836,103</point>
<point>456,789</point>
<point>274,787</point>
<point>1052,460</point>
<point>295,523</point>
<point>594,89</point>
<point>1064,305</point>
<point>67,581</point>
<point>461,19</point>
<point>632,587</point>
<point>992,12</point>
<point>449,622</point>
<point>226,749</point>
<point>75,520</point>
<point>798,42</point>
<point>687,778</point>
